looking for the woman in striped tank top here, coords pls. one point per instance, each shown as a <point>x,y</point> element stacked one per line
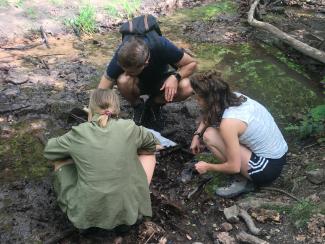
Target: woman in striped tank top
<point>240,132</point>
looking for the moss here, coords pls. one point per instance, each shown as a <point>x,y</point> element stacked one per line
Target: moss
<point>219,179</point>
<point>209,11</point>
<point>299,213</point>
<point>22,156</point>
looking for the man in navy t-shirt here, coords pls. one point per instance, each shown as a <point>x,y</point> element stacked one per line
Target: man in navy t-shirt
<point>140,66</point>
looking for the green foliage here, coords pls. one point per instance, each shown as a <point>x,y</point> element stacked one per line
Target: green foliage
<point>207,157</point>
<point>22,157</point>
<point>120,8</point>
<point>20,3</point>
<point>31,13</point>
<point>299,213</point>
<point>4,3</point>
<point>85,22</point>
<point>211,11</point>
<point>56,2</point>
<point>312,124</point>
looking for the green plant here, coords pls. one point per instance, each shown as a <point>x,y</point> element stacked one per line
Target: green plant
<point>31,13</point>
<point>4,3</point>
<point>119,8</point>
<point>299,212</point>
<point>56,2</point>
<point>20,3</point>
<point>311,125</point>
<point>85,21</point>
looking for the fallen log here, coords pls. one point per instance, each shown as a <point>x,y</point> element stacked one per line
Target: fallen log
<point>296,44</point>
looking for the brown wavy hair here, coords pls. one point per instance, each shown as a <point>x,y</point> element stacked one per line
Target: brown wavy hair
<point>216,94</point>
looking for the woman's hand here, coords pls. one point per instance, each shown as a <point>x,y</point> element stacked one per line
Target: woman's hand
<point>202,167</point>
<point>195,145</point>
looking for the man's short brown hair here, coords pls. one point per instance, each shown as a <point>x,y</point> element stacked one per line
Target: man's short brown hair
<point>133,53</point>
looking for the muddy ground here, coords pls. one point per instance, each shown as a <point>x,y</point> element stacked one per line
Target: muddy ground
<point>40,86</point>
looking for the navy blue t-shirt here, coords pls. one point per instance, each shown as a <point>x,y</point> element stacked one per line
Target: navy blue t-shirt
<point>160,57</point>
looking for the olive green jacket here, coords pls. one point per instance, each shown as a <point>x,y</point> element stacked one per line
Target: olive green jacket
<point>109,187</point>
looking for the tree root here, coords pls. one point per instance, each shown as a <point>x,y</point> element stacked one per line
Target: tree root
<point>249,222</point>
<point>280,190</point>
<point>248,238</point>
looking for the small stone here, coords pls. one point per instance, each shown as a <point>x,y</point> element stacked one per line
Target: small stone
<point>316,176</point>
<point>314,198</point>
<point>225,238</point>
<point>322,196</point>
<point>231,214</point>
<point>301,238</point>
<point>226,226</point>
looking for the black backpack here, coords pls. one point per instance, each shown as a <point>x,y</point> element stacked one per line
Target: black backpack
<point>142,26</point>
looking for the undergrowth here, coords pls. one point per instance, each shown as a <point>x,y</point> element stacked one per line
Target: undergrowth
<point>85,22</point>
<point>299,213</point>
<point>121,8</point>
<point>312,125</point>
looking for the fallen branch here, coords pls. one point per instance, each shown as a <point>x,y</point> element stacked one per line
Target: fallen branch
<point>248,238</point>
<point>298,45</point>
<point>21,47</point>
<point>282,191</point>
<point>249,222</point>
<point>150,237</point>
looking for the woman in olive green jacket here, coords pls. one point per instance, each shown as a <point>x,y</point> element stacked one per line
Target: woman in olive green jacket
<point>100,179</point>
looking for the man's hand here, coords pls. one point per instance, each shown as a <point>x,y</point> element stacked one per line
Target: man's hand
<point>195,145</point>
<point>170,87</point>
<point>202,167</point>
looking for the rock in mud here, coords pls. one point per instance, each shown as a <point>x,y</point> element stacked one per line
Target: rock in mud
<point>232,213</point>
<point>224,238</point>
<point>316,176</point>
<point>226,226</point>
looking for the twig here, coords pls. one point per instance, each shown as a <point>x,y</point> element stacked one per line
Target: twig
<point>311,145</point>
<point>21,47</point>
<point>79,119</point>
<point>280,190</point>
<point>150,237</point>
<point>197,190</point>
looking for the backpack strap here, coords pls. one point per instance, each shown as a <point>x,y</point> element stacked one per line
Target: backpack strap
<point>130,26</point>
<point>145,19</point>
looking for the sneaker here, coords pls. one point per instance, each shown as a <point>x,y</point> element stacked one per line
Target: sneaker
<point>139,112</point>
<point>236,188</point>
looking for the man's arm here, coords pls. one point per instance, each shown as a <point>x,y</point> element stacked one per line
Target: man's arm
<point>105,83</point>
<point>187,65</point>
